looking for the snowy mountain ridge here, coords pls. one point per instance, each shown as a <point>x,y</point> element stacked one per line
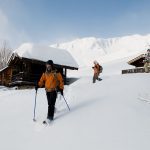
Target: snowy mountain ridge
<point>85,50</point>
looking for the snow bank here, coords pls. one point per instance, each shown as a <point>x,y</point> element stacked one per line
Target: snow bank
<point>107,115</point>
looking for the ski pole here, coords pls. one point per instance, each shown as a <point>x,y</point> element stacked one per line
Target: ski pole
<point>35,105</point>
<point>66,102</point>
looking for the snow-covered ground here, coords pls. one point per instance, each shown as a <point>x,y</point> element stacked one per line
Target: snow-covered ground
<point>107,115</point>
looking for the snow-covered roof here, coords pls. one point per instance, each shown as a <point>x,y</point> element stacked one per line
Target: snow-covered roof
<point>136,58</point>
<point>44,53</point>
<point>3,68</point>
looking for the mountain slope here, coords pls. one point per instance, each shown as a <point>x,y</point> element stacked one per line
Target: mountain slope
<point>88,49</point>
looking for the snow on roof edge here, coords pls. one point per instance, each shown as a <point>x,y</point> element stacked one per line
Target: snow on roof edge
<point>44,53</point>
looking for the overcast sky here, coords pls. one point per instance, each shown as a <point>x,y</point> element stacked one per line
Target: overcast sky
<point>51,21</point>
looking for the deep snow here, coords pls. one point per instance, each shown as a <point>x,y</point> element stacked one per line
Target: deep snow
<point>107,115</point>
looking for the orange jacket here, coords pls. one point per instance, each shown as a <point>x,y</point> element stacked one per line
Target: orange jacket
<point>96,69</point>
<point>51,81</point>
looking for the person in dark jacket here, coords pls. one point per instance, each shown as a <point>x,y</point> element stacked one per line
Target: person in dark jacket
<point>53,82</point>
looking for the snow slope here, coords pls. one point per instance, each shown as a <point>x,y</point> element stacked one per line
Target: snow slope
<point>107,115</point>
<point>105,50</point>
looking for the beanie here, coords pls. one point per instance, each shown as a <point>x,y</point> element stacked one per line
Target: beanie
<point>49,62</point>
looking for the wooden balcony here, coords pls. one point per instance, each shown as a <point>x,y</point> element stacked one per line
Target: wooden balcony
<point>134,70</point>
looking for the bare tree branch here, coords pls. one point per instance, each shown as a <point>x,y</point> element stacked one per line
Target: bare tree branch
<point>5,52</point>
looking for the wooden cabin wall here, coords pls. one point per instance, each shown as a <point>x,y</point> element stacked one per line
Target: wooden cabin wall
<point>29,71</point>
<point>0,78</point>
<point>5,76</point>
<point>8,76</point>
<point>20,70</point>
<point>26,67</point>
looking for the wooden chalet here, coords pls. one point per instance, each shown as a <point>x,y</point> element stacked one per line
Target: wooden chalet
<point>138,63</point>
<point>23,70</point>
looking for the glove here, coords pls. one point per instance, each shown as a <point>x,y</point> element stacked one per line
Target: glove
<point>61,91</point>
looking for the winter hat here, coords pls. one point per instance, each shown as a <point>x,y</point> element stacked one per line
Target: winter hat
<point>95,62</point>
<point>49,62</point>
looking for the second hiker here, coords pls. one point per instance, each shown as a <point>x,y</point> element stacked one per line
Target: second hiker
<point>97,70</point>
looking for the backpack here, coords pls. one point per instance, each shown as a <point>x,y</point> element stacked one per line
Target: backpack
<point>100,68</point>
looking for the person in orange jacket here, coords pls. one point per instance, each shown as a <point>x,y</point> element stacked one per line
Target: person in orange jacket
<point>53,82</point>
<point>97,70</point>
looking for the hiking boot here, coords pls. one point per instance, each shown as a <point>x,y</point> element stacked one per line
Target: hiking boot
<point>50,118</point>
<point>99,79</point>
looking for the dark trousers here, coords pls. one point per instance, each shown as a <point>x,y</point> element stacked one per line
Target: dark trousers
<point>51,99</point>
<point>95,77</point>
